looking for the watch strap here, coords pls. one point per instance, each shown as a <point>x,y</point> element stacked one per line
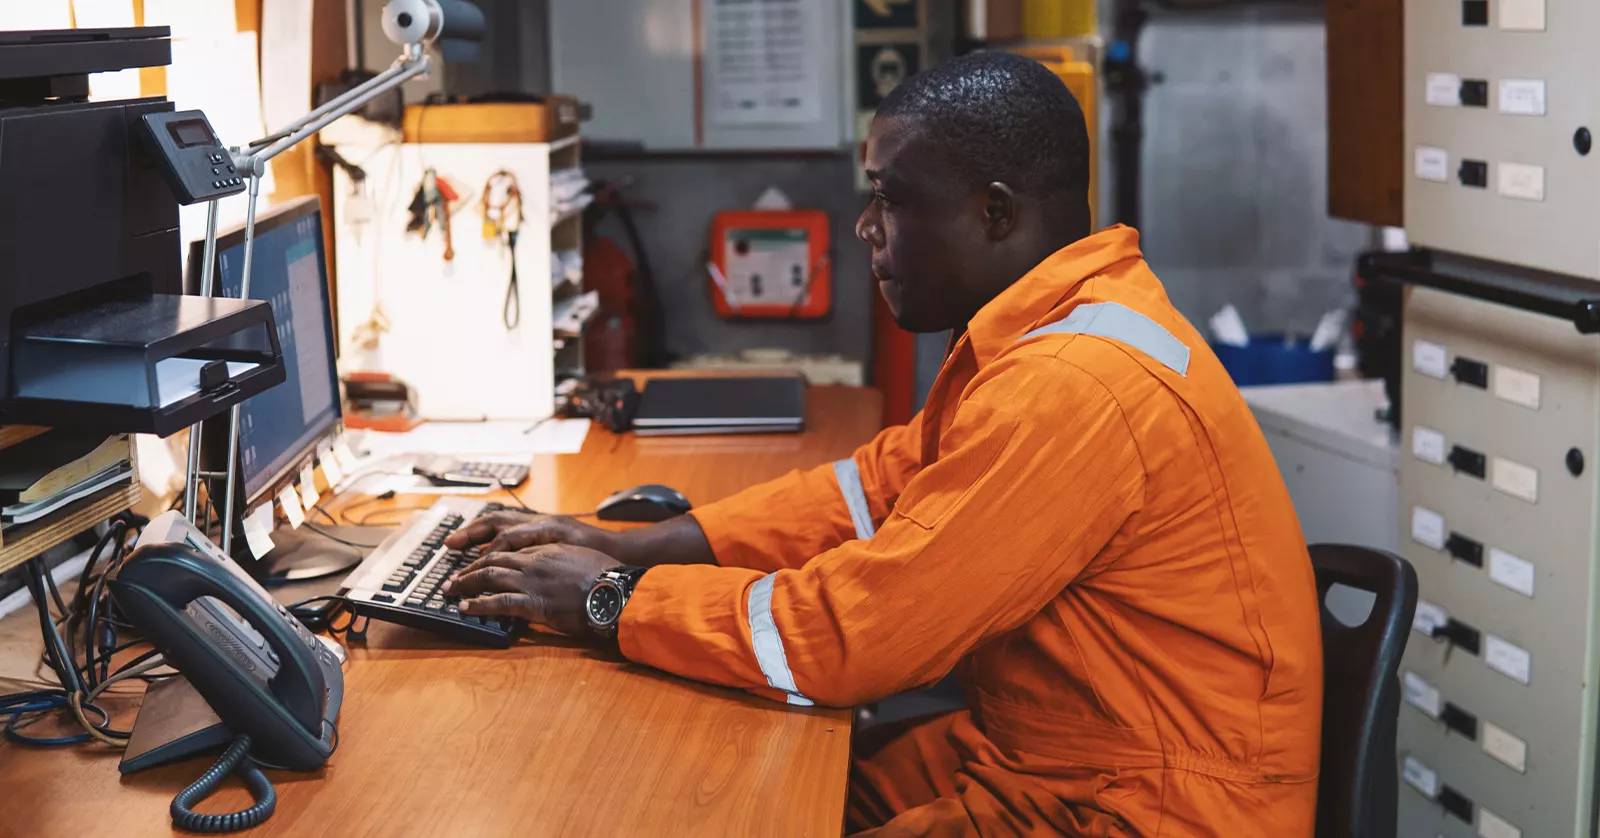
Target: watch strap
<point>630,577</point>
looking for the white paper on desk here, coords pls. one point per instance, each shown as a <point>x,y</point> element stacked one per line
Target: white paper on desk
<point>258,530</point>
<point>521,437</point>
<point>285,61</point>
<point>191,18</point>
<point>179,378</point>
<point>35,14</point>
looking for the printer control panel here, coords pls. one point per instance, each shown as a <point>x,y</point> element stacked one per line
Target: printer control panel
<point>197,166</point>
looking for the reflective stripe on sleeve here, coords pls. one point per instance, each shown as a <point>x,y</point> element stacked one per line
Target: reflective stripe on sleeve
<point>855,496</point>
<point>768,643</point>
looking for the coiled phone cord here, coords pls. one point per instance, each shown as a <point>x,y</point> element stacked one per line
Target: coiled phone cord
<point>235,760</point>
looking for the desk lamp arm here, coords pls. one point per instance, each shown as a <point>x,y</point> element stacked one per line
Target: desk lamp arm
<point>413,63</point>
<point>410,23</point>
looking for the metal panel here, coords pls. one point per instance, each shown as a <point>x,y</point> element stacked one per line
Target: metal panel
<point>1557,233</point>
<point>1235,184</point>
<point>635,62</point>
<point>1555,711</point>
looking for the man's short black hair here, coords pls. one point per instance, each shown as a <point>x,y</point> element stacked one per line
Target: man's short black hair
<point>997,116</point>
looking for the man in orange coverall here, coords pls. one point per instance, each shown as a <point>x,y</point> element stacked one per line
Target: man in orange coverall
<point>1084,524</point>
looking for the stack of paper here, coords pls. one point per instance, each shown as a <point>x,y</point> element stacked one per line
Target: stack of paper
<point>569,194</point>
<point>47,472</point>
<point>567,317</point>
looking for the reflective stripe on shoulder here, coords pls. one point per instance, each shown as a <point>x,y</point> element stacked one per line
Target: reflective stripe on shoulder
<point>764,638</point>
<point>855,496</point>
<point>1117,322</point>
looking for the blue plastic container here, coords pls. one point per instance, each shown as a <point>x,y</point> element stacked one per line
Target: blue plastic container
<point>1269,360</point>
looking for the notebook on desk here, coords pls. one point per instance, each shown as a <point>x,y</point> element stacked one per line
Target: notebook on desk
<point>722,405</point>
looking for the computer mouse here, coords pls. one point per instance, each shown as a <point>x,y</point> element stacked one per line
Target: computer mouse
<point>646,504</point>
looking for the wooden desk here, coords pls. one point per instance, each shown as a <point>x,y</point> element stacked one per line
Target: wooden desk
<point>547,738</point>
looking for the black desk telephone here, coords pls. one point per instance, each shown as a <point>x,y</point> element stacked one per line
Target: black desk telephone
<point>275,686</point>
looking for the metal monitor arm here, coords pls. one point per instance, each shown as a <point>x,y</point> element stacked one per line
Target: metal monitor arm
<point>412,24</point>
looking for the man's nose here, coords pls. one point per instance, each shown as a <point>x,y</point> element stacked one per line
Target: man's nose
<point>868,230</point>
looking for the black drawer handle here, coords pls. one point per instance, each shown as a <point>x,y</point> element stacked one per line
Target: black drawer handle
<point>1468,461</point>
<point>1456,803</point>
<point>1460,635</point>
<point>1468,371</point>
<point>1465,549</point>
<point>1459,721</point>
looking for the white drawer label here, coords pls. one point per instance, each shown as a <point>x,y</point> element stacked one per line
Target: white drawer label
<point>1444,89</point>
<point>1515,479</point>
<point>1523,15</point>
<point>1507,658</point>
<point>1430,359</point>
<point>1510,571</point>
<point>1502,745</point>
<point>1520,97</point>
<point>1520,180</point>
<point>1433,164</point>
<point>1421,777</point>
<point>1427,445</point>
<point>1421,694</point>
<point>1428,618</point>
<point>1427,527</point>
<point>1515,386</point>
<point>1491,825</point>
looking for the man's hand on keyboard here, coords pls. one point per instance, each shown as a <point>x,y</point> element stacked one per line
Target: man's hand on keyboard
<point>508,532</point>
<point>546,585</point>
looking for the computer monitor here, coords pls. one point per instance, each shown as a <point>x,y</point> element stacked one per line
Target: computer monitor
<point>282,430</point>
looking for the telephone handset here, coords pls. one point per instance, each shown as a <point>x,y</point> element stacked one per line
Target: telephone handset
<point>262,672</point>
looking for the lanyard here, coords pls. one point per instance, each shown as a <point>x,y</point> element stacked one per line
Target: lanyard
<point>502,219</point>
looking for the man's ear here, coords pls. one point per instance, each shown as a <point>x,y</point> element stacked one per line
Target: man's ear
<point>999,210</point>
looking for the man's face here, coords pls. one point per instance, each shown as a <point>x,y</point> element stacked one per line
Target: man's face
<point>926,232</point>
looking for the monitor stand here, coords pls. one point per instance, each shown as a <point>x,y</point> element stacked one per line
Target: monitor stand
<point>305,553</point>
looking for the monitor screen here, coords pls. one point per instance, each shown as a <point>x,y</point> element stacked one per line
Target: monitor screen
<point>279,427</point>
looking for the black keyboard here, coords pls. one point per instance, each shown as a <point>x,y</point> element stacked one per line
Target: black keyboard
<point>410,592</point>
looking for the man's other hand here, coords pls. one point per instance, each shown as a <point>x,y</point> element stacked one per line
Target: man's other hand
<point>508,532</point>
<point>547,585</point>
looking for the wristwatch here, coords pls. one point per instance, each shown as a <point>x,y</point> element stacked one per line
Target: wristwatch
<point>607,595</point>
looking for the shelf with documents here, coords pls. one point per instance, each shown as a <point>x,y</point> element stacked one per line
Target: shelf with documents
<point>25,541</point>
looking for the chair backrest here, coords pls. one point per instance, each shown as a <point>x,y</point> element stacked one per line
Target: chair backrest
<point>1359,786</point>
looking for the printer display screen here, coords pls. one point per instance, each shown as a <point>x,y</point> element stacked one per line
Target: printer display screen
<point>191,132</point>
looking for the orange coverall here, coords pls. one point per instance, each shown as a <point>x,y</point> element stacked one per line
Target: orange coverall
<point>1086,526</point>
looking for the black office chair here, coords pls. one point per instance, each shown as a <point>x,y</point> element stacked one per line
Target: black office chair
<point>1358,791</point>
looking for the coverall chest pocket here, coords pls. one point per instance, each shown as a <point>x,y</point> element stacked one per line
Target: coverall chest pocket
<point>959,477</point>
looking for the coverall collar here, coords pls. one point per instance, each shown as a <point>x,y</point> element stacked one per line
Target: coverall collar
<point>1035,298</point>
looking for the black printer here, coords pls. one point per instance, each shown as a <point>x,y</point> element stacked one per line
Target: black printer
<point>95,332</point>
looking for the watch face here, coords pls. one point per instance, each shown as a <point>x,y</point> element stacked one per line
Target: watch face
<point>605,604</point>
